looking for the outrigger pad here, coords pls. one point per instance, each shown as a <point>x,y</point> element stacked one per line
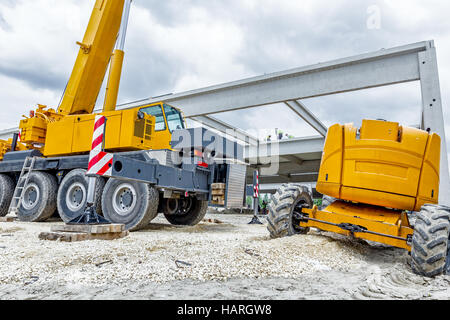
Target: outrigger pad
<point>255,220</point>
<point>89,217</point>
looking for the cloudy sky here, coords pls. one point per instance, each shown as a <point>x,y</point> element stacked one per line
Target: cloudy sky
<point>179,45</point>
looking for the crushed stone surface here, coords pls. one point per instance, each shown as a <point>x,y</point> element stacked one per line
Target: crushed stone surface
<point>221,258</point>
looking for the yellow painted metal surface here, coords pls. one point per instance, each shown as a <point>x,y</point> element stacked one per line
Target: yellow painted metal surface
<point>5,146</point>
<point>124,132</point>
<point>112,88</point>
<point>373,218</point>
<point>93,58</point>
<point>34,128</point>
<point>385,164</point>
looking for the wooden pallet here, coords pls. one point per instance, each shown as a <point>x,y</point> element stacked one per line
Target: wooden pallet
<point>218,200</point>
<point>7,219</point>
<point>74,233</point>
<point>218,186</point>
<point>218,192</point>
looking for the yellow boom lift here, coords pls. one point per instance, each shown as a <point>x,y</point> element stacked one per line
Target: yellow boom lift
<point>374,176</point>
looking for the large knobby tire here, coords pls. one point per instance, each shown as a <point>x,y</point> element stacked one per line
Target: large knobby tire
<point>430,243</point>
<point>132,203</point>
<point>326,201</point>
<point>189,212</point>
<point>6,193</point>
<point>39,198</point>
<point>286,203</point>
<point>72,195</point>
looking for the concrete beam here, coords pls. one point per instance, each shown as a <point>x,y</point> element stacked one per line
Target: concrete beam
<point>432,114</point>
<point>289,168</point>
<point>8,133</point>
<point>380,68</point>
<point>309,148</point>
<point>302,111</point>
<point>226,129</point>
<point>307,177</point>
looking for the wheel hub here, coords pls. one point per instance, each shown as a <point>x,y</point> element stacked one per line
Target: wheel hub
<point>124,199</point>
<point>31,196</point>
<point>173,206</point>
<point>76,196</point>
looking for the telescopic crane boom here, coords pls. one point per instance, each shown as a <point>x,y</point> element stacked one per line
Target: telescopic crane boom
<point>94,56</point>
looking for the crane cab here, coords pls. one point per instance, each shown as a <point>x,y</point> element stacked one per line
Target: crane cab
<point>147,127</point>
<point>167,120</point>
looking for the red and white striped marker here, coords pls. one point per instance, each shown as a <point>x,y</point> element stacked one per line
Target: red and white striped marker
<point>100,163</point>
<point>256,187</point>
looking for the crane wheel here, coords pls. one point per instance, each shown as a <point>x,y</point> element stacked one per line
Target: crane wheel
<point>6,193</point>
<point>39,198</point>
<point>131,203</point>
<point>185,212</point>
<point>286,203</point>
<point>72,195</point>
<point>430,243</point>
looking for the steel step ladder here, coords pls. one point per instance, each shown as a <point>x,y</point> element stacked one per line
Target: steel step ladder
<point>27,168</point>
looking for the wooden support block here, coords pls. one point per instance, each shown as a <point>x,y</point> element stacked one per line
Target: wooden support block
<point>80,236</point>
<point>220,201</point>
<point>91,229</point>
<point>218,192</point>
<point>63,236</point>
<point>218,186</point>
<point>7,219</point>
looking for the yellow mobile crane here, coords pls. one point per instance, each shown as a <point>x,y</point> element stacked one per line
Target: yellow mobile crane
<point>374,176</point>
<point>66,131</point>
<point>47,168</point>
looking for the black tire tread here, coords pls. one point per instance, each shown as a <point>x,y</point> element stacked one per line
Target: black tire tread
<point>430,241</point>
<point>99,186</point>
<point>7,187</point>
<point>191,219</point>
<point>49,194</point>
<point>148,198</point>
<point>280,209</point>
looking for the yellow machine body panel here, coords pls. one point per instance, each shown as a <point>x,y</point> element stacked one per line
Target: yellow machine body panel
<point>383,164</point>
<point>5,146</point>
<point>386,225</point>
<point>93,58</point>
<point>125,130</point>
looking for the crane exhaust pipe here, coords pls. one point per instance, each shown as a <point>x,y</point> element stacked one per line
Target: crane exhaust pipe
<point>115,72</point>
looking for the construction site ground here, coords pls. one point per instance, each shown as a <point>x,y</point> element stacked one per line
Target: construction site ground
<point>221,258</point>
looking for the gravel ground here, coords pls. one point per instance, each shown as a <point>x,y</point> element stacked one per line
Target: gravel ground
<point>228,260</point>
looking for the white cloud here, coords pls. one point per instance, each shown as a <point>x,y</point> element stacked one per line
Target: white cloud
<point>178,45</point>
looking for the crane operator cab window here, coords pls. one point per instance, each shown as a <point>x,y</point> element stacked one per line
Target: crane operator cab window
<point>167,120</point>
<point>157,112</point>
<point>174,118</point>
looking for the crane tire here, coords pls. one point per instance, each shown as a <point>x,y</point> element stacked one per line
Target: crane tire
<point>285,203</point>
<point>7,186</point>
<point>39,198</point>
<point>131,203</point>
<point>430,242</point>
<point>191,214</point>
<point>72,195</point>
